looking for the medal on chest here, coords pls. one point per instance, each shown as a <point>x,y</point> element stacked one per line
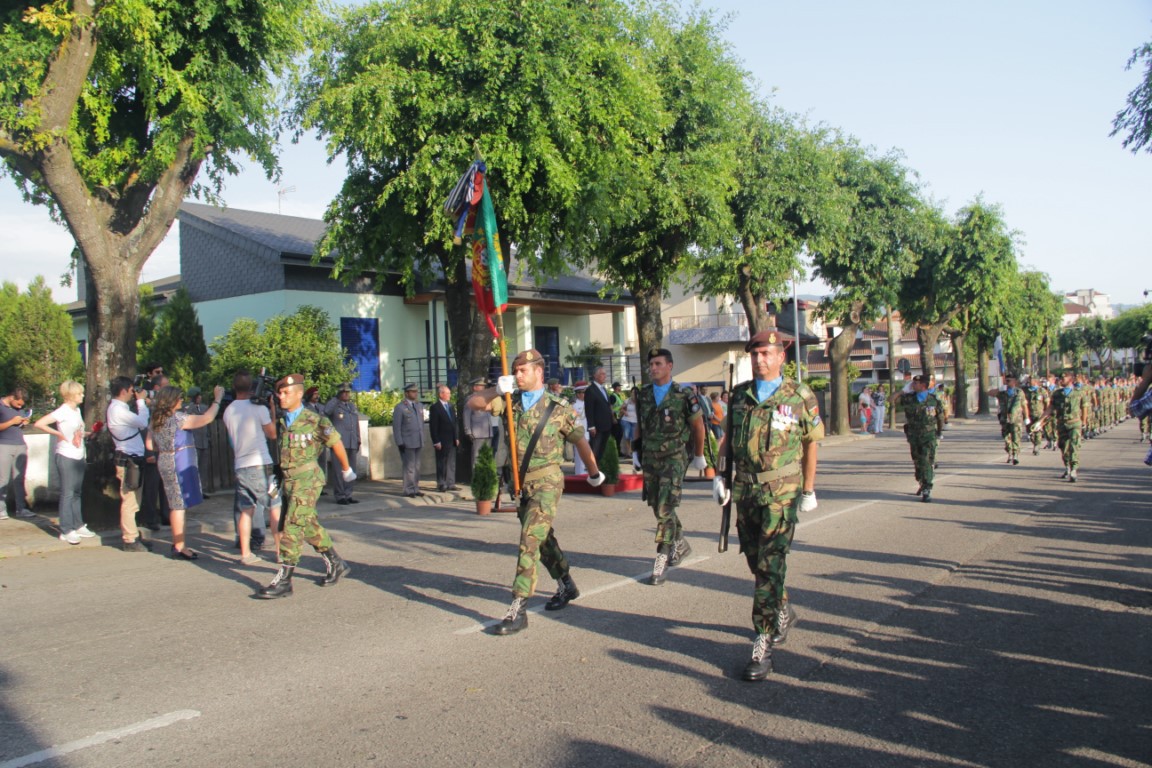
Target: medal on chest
<point>784,419</point>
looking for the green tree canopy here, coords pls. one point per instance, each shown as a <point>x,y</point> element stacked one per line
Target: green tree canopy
<point>1135,120</point>
<point>684,209</point>
<point>867,256</point>
<point>786,198</point>
<point>177,341</point>
<point>39,351</point>
<point>108,110</point>
<point>1126,330</point>
<point>553,93</point>
<point>304,342</point>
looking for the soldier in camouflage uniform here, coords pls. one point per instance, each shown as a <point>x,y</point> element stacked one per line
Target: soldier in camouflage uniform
<point>923,423</point>
<point>543,481</point>
<point>775,426</point>
<point>303,436</point>
<point>668,415</point>
<point>1014,416</point>
<point>1037,397</point>
<point>1068,409</point>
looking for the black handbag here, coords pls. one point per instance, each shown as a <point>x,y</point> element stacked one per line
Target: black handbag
<point>133,473</point>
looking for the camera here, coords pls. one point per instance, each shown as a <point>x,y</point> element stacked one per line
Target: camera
<point>264,389</point>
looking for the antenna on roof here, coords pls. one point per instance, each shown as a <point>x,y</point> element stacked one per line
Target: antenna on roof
<point>280,193</point>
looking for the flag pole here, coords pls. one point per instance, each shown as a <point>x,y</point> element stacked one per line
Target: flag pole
<point>513,455</point>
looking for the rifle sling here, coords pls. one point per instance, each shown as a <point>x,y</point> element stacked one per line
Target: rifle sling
<point>535,439</point>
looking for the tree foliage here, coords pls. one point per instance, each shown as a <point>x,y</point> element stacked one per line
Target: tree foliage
<point>1126,330</point>
<point>786,199</point>
<point>1135,120</point>
<point>108,110</point>
<point>552,93</point>
<point>304,342</point>
<point>177,341</point>
<point>38,349</point>
<point>683,211</point>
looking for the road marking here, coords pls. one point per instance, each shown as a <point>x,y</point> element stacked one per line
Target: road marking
<point>101,738</point>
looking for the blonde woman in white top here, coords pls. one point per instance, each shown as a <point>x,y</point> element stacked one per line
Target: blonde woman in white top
<point>67,424</point>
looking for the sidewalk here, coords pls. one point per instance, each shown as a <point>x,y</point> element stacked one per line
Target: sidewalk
<point>39,534</point>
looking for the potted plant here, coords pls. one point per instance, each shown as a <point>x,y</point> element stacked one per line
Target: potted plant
<point>485,481</point>
<point>711,453</point>
<point>610,466</point>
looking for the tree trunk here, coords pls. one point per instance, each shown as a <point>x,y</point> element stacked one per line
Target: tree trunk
<point>926,338</point>
<point>113,307</point>
<point>838,351</point>
<point>983,406</point>
<point>649,323</point>
<point>958,367</point>
<point>753,304</point>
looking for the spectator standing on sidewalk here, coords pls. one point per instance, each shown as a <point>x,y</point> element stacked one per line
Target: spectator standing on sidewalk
<point>250,428</point>
<point>69,458</point>
<point>126,426</point>
<point>13,453</point>
<point>445,438</point>
<point>342,412</point>
<point>194,406</point>
<point>879,406</point>
<point>408,433</point>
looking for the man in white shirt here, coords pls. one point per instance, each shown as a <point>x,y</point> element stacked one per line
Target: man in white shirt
<point>127,429</point>
<point>250,427</point>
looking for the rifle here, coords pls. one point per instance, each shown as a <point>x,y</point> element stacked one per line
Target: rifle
<point>727,472</point>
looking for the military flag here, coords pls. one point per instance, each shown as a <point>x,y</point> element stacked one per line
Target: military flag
<point>470,204</point>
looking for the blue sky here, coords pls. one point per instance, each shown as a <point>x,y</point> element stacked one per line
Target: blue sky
<point>1012,100</point>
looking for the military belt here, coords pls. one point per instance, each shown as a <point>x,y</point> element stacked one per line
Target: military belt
<point>294,471</point>
<point>540,473</point>
<point>770,475</point>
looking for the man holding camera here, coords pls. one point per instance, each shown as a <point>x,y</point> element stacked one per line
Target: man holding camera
<point>250,428</point>
<point>303,435</point>
<point>127,429</point>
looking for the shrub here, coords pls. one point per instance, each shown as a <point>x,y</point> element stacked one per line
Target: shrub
<point>378,406</point>
<point>485,481</point>
<point>610,463</point>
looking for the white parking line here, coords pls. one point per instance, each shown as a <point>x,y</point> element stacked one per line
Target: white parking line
<point>101,738</point>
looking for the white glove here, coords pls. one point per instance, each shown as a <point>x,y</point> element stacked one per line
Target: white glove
<point>349,475</point>
<point>1027,422</point>
<point>698,463</point>
<point>808,501</point>
<point>720,494</point>
<point>596,479</point>
<point>505,385</point>
<point>636,461</point>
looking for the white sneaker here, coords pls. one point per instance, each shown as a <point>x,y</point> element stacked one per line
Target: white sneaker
<point>3,514</point>
<point>71,537</point>
<point>84,533</point>
<point>25,513</point>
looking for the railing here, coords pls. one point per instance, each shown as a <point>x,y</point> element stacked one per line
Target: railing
<point>720,320</point>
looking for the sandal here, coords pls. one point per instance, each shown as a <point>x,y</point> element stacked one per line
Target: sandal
<point>184,554</point>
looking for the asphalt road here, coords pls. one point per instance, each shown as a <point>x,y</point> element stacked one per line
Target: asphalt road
<point>1008,623</point>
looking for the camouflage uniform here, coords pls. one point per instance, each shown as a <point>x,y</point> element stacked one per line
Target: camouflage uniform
<point>666,433</point>
<point>923,423</point>
<point>768,442</point>
<point>1011,419</point>
<point>1037,401</point>
<point>542,488</point>
<point>300,446</point>
<point>1068,411</point>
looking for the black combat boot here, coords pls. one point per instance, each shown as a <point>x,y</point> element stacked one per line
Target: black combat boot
<point>660,566</point>
<point>515,619</point>
<point>785,618</point>
<point>336,567</point>
<point>566,592</point>
<point>680,550</point>
<point>281,585</point>
<point>760,666</point>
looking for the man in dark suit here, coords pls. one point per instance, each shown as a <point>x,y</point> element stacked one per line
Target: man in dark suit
<point>442,426</point>
<point>598,411</point>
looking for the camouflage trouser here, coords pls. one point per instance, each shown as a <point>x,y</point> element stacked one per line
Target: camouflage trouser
<point>1011,431</point>
<point>1068,438</point>
<point>663,480</point>
<point>299,516</point>
<point>923,450</point>
<point>765,538</point>
<point>1146,426</point>
<point>1050,430</point>
<point>1034,436</point>
<point>537,539</point>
